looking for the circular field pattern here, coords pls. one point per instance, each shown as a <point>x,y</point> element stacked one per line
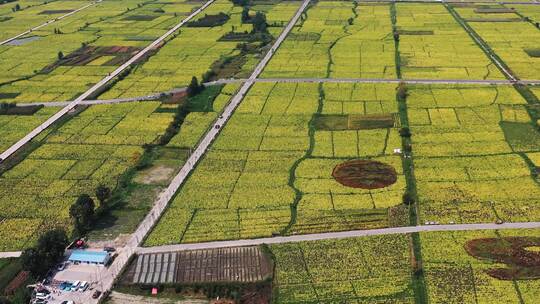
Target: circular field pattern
<point>513,258</point>
<point>365,174</point>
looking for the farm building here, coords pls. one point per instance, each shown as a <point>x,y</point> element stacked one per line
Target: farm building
<point>90,257</point>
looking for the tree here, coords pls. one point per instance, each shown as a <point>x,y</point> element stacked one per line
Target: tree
<point>103,193</point>
<point>402,91</point>
<point>60,55</point>
<point>82,212</point>
<point>53,243</point>
<point>396,36</point>
<point>405,132</point>
<point>194,88</point>
<point>259,23</point>
<point>245,15</point>
<point>48,251</point>
<point>408,199</point>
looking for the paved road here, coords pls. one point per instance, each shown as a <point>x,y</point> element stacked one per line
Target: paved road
<point>533,2</point>
<point>124,298</point>
<point>338,235</point>
<point>383,80</point>
<point>49,22</point>
<point>411,81</point>
<point>15,147</point>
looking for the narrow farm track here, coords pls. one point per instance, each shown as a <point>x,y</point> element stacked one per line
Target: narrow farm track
<point>49,22</point>
<point>103,101</point>
<point>156,96</point>
<point>14,148</point>
<point>339,235</point>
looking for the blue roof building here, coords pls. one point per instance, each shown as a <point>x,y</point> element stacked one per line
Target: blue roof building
<point>90,257</point>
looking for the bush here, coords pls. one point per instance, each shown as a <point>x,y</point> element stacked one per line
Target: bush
<point>405,132</point>
<point>402,91</point>
<point>408,199</point>
<point>194,87</point>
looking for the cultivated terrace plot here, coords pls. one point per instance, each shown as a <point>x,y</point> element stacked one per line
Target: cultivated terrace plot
<point>279,152</point>
<point>225,265</point>
<point>32,13</point>
<point>91,44</point>
<point>513,39</point>
<point>95,147</point>
<point>433,45</point>
<point>15,126</point>
<point>471,147</point>
<point>482,266</point>
<point>360,270</point>
<point>528,11</point>
<point>201,46</point>
<point>199,120</point>
<point>347,39</point>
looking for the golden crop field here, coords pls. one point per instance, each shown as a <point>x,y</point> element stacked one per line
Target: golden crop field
<point>363,152</point>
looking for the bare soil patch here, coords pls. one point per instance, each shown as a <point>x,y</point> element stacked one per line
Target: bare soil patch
<point>365,174</point>
<point>354,122</point>
<point>140,17</point>
<point>87,54</point>
<point>494,10</point>
<point>154,175</point>
<point>53,12</point>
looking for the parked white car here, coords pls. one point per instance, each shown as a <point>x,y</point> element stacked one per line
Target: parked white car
<point>83,287</point>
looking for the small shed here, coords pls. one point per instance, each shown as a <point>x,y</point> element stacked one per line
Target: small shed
<point>90,257</point>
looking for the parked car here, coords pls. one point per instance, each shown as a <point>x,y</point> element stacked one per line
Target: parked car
<point>83,287</point>
<point>109,249</point>
<point>61,267</point>
<point>42,296</point>
<point>42,290</point>
<point>65,286</point>
<point>75,285</point>
<point>68,302</point>
<point>96,294</point>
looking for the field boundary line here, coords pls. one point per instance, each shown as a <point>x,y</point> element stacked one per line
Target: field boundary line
<point>15,147</point>
<point>50,22</point>
<point>338,235</point>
